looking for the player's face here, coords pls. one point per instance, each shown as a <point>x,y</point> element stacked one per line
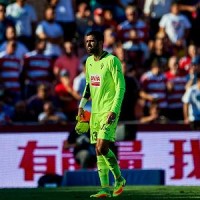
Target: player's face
<point>91,44</point>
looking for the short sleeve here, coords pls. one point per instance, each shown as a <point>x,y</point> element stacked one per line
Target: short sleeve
<point>163,21</point>
<point>186,96</point>
<point>39,29</point>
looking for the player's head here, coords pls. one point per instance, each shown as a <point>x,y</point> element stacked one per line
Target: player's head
<point>155,67</point>
<point>175,8</point>
<point>173,63</point>
<point>11,47</point>
<point>94,42</point>
<point>40,45</point>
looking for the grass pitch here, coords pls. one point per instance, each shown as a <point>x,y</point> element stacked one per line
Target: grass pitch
<point>83,193</point>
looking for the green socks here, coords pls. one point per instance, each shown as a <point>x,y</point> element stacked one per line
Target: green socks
<point>112,163</point>
<point>104,164</point>
<point>103,171</point>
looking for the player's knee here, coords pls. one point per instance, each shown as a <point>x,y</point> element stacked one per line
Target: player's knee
<point>101,150</point>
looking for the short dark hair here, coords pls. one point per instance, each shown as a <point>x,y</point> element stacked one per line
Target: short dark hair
<point>97,34</point>
<point>175,2</point>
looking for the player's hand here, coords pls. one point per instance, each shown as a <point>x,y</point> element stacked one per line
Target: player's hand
<point>80,112</point>
<point>186,121</point>
<point>83,120</point>
<point>111,117</point>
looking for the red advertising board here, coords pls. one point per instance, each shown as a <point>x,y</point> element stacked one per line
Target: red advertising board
<point>25,157</point>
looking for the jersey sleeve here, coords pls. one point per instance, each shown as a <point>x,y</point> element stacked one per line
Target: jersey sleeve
<point>163,21</point>
<point>39,29</point>
<point>118,78</point>
<point>186,96</point>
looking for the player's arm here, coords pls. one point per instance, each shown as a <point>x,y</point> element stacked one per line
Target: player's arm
<point>85,97</point>
<point>83,117</point>
<point>186,113</point>
<point>118,78</point>
<point>186,102</point>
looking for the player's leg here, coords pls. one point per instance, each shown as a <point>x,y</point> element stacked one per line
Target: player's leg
<point>111,161</point>
<point>103,169</point>
<point>105,136</point>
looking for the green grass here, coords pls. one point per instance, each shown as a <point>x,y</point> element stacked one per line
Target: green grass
<point>83,193</point>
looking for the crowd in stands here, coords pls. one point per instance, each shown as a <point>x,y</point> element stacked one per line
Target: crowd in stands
<point>42,62</point>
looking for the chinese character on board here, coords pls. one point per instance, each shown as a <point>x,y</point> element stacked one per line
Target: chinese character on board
<point>179,154</point>
<point>33,163</point>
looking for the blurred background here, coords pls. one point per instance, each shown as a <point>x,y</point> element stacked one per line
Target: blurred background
<point>42,77</point>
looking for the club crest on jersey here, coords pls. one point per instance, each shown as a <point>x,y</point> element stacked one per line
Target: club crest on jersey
<point>95,80</point>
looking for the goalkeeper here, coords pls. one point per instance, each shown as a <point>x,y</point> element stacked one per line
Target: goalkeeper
<point>105,85</point>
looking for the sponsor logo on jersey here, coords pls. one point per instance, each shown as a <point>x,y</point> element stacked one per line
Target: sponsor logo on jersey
<point>95,80</point>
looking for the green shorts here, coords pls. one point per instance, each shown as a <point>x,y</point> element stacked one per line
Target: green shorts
<point>100,129</point>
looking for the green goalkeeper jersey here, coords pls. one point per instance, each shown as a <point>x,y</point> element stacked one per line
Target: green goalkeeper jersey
<point>104,83</point>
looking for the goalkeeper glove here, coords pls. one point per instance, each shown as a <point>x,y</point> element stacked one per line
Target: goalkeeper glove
<point>82,125</point>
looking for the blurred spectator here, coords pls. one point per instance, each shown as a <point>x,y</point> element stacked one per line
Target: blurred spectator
<point>37,69</point>
<point>130,97</point>
<point>123,57</point>
<point>153,116</point>
<point>39,6</point>
<point>109,39</point>
<point>25,19</point>
<point>160,52</point>
<point>98,20</point>
<point>50,115</point>
<point>10,71</point>
<point>20,47</point>
<point>21,113</point>
<point>109,18</point>
<point>192,72</point>
<point>83,20</point>
<point>67,96</point>
<point>120,53</point>
<point>136,50</point>
<point>115,5</point>
<point>176,81</point>
<point>192,10</point>
<point>36,102</point>
<point>4,23</point>
<point>84,152</point>
<point>51,31</point>
<point>4,118</point>
<point>185,61</point>
<point>153,11</point>
<point>79,85</point>
<point>191,108</point>
<point>65,16</point>
<point>176,26</point>
<point>153,88</point>
<point>125,3</point>
<point>68,60</point>
<point>6,99</point>
<point>133,22</point>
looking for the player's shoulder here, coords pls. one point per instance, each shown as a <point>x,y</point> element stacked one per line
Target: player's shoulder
<point>107,57</point>
<point>89,60</point>
<point>111,57</point>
